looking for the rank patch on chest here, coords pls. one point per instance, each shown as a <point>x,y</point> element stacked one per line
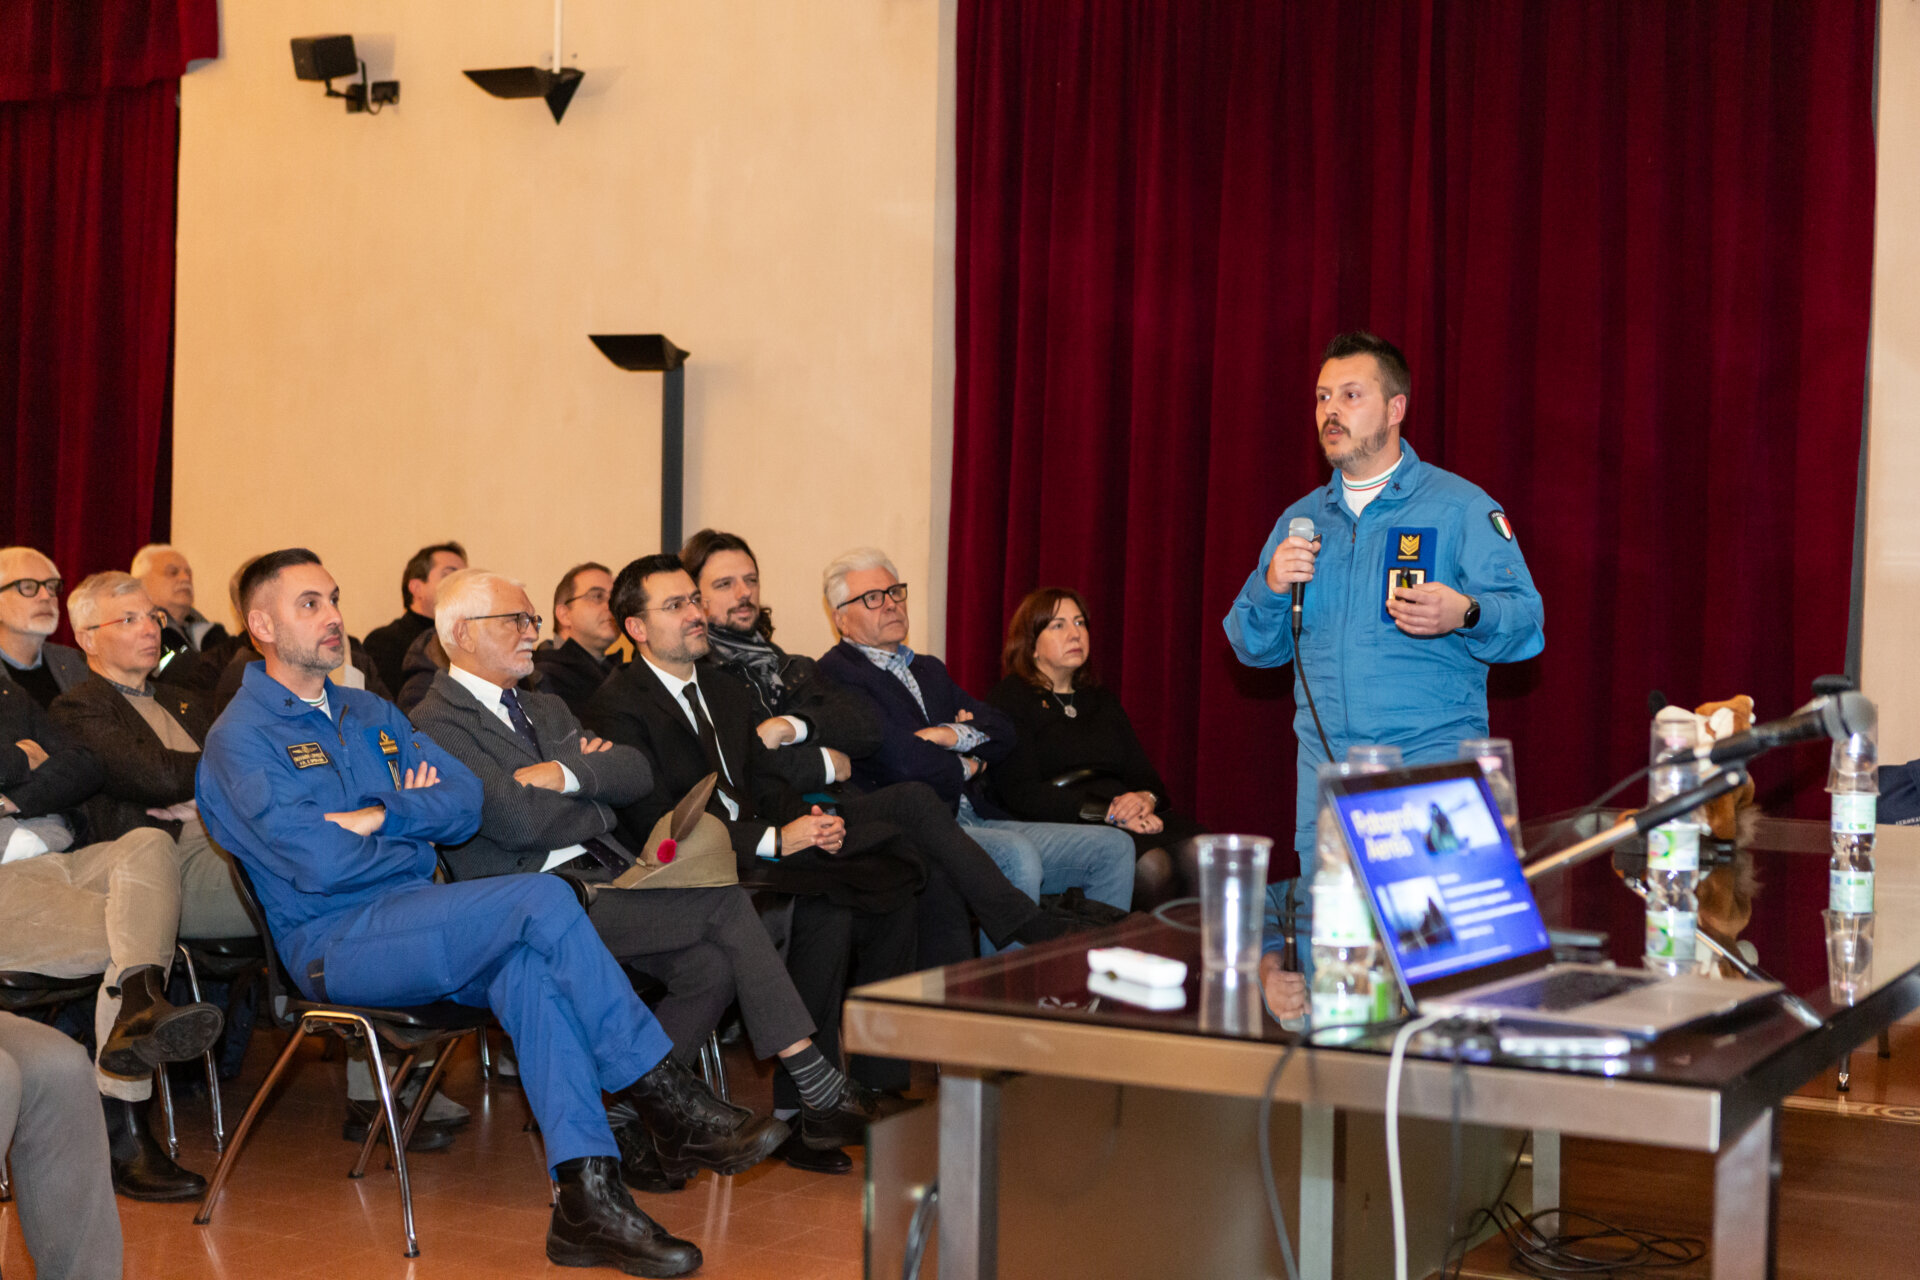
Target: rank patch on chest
<point>307,755</point>
<point>1409,546</point>
<point>389,751</point>
<point>1408,562</point>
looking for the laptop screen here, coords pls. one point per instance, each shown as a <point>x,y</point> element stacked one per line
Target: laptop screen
<point>1447,890</point>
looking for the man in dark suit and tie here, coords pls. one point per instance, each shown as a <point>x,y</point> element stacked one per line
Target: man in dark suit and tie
<point>853,886</point>
<point>549,792</point>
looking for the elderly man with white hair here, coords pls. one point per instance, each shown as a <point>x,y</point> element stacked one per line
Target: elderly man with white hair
<point>146,736</point>
<point>168,578</point>
<point>935,732</point>
<point>29,613</point>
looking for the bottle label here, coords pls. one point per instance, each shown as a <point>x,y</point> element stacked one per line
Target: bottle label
<point>1341,1008</point>
<point>1854,814</point>
<point>1670,936</point>
<point>1674,847</point>
<point>1850,892</point>
<point>1340,917</point>
<point>1384,1004</point>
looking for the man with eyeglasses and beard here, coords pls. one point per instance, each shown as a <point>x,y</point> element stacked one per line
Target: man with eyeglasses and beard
<point>29,613</point>
<point>854,884</point>
<point>583,631</point>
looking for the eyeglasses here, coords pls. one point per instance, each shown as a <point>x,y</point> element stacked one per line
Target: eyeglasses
<point>675,604</point>
<point>31,587</point>
<point>521,621</point>
<point>598,596</point>
<point>158,618</point>
<point>872,599</point>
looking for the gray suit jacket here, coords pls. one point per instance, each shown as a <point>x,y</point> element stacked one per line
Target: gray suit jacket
<point>520,825</point>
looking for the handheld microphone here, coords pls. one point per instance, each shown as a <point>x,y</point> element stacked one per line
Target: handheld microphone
<point>1300,527</point>
<point>1836,715</point>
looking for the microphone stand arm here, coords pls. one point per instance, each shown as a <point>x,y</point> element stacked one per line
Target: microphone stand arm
<point>1728,779</point>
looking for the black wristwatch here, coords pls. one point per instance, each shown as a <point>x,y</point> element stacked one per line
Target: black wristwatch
<point>1473,615</point>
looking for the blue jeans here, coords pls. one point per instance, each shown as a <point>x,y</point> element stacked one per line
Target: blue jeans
<point>1052,857</point>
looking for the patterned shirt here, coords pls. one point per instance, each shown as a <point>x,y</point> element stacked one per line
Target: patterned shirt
<point>898,663</point>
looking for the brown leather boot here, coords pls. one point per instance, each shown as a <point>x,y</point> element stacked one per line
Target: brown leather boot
<point>149,1031</point>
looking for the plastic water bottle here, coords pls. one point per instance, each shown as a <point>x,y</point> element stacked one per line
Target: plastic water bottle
<point>1348,978</point>
<point>1367,758</point>
<point>1853,779</point>
<point>1673,850</point>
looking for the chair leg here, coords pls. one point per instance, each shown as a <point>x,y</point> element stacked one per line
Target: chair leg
<point>6,1179</point>
<point>213,1068</point>
<point>378,1062</point>
<point>392,1087</point>
<point>232,1152</point>
<point>714,1067</point>
<point>1886,1043</point>
<point>1845,1082</point>
<point>427,1087</point>
<point>166,1109</point>
<point>486,1056</point>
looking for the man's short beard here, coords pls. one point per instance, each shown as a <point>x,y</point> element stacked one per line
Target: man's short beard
<point>314,660</point>
<point>1362,451</point>
<point>35,627</point>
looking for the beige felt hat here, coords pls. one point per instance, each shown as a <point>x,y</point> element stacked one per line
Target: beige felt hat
<point>688,848</point>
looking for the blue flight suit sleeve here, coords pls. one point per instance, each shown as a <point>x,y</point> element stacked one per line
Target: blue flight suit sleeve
<point>254,800</point>
<point>1493,571</point>
<point>1259,625</point>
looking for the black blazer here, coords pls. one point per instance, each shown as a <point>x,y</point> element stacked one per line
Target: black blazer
<point>877,870</point>
<point>904,758</point>
<point>520,825</point>
<point>141,773</point>
<point>571,674</point>
<point>70,773</point>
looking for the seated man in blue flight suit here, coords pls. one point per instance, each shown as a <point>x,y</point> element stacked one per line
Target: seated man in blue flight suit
<point>1418,586</point>
<point>332,802</point>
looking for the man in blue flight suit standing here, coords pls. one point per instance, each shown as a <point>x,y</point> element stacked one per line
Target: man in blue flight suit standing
<point>1418,585</point>
<point>333,801</point>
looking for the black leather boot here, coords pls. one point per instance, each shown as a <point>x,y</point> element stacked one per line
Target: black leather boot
<point>150,1032</point>
<point>639,1162</point>
<point>142,1169</point>
<point>596,1224</point>
<point>692,1129</point>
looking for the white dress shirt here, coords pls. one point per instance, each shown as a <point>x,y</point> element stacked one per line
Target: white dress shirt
<point>488,694</point>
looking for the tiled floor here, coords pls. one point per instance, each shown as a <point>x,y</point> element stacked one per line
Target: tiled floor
<point>480,1208</point>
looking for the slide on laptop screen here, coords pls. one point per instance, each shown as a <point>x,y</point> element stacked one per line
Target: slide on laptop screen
<point>1443,876</point>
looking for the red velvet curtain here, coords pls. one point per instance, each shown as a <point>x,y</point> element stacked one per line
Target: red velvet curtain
<point>1625,246</point>
<point>89,124</point>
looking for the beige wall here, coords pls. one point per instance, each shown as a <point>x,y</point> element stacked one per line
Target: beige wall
<point>1891,625</point>
<point>382,335</point>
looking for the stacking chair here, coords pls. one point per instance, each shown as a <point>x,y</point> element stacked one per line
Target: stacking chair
<point>406,1031</point>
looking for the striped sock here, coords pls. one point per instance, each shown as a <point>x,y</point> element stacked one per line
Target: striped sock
<point>819,1081</point>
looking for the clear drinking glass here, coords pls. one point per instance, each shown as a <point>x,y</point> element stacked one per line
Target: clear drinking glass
<point>1849,954</point>
<point>1495,757</point>
<point>1233,888</point>
<point>1374,759</point>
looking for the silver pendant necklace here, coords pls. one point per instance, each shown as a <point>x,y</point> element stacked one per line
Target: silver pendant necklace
<point>1066,704</point>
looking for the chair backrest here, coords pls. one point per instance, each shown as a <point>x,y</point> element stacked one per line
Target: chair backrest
<point>280,988</point>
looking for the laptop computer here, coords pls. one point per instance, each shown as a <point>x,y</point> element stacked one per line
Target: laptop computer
<point>1459,923</point>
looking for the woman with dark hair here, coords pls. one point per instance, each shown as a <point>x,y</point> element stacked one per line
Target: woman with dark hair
<point>1078,758</point>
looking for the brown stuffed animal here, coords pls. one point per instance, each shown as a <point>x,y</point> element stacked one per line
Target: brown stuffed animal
<point>1727,892</point>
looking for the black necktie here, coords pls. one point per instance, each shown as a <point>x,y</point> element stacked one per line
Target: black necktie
<point>510,699</point>
<point>710,743</point>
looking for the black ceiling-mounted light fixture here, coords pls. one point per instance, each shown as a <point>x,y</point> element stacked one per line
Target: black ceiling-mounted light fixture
<point>554,82</point>
<point>328,58</point>
<point>655,353</point>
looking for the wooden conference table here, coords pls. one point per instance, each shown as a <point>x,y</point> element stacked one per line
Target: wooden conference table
<point>995,1023</point>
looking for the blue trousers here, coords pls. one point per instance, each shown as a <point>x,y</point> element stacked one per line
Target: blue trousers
<point>522,947</point>
<point>1052,857</point>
